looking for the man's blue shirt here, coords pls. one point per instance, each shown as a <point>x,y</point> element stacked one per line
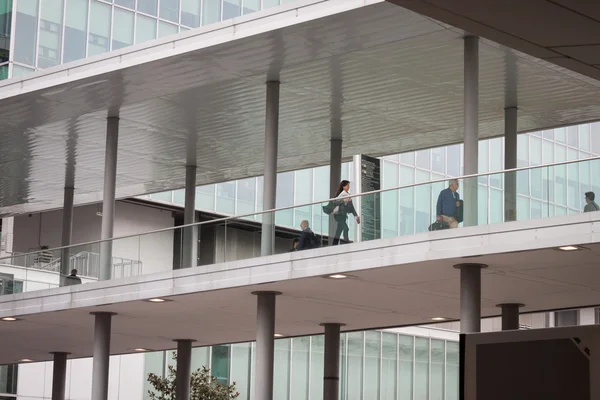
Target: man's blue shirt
<point>446,204</point>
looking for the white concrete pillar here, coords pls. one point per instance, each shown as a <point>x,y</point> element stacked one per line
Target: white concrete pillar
<point>471,123</point>
<point>108,202</point>
<point>265,345</point>
<point>101,358</point>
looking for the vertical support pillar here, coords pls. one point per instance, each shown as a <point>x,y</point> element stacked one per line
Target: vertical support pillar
<point>470,297</point>
<point>59,376</point>
<point>190,234</point>
<point>101,359</point>
<point>184,367</point>
<point>108,202</point>
<point>67,229</point>
<point>510,162</point>
<point>331,376</point>
<point>510,316</point>
<point>471,123</point>
<point>270,174</point>
<point>265,345</point>
<point>335,177</point>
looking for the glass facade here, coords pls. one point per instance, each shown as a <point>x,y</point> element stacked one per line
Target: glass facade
<point>374,365</point>
<point>52,32</point>
<point>541,192</point>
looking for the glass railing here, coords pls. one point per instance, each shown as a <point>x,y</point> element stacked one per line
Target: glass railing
<point>3,71</point>
<point>514,195</point>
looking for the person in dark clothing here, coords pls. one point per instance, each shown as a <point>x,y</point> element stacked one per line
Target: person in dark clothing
<point>590,203</point>
<point>340,213</point>
<point>307,237</point>
<point>72,279</point>
<point>448,201</point>
<point>294,245</point>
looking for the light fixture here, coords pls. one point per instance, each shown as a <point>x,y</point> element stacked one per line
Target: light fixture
<point>9,319</point>
<point>156,300</point>
<point>338,276</point>
<point>26,360</point>
<point>278,335</point>
<point>569,248</point>
<point>140,349</point>
<point>439,319</point>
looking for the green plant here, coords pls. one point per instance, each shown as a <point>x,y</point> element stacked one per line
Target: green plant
<point>203,386</point>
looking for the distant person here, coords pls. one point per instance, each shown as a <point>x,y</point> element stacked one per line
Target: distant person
<point>342,209</point>
<point>45,255</point>
<point>590,203</point>
<point>448,203</point>
<point>294,245</point>
<point>308,240</point>
<point>72,279</point>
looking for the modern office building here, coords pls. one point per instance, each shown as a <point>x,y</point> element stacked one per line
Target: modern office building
<point>409,83</point>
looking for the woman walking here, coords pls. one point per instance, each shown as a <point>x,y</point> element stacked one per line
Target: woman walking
<point>340,212</point>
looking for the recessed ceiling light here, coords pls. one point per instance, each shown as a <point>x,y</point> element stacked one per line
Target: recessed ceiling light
<point>338,276</point>
<point>156,300</point>
<point>569,248</point>
<point>439,319</point>
<point>278,335</point>
<point>140,349</point>
<point>9,319</point>
<point>25,360</point>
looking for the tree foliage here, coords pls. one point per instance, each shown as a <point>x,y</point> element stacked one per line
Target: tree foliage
<point>203,386</point>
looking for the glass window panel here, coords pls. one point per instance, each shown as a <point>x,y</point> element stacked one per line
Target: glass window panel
<point>522,151</point>
<point>226,197</point>
<point>452,370</point>
<point>389,366</point>
<point>98,39</point>
<point>496,161</point>
<point>285,198</point>
<point>547,152</point>
<point>423,206</point>
<point>437,370</point>
<point>453,160</point>
<point>584,176</point>
<point>392,157</point>
<point>483,161</point>
<point>405,378</point>
<point>304,194</point>
<point>496,206</point>
<point>179,196</point>
<point>232,9</point>
<point>148,6</point>
<point>560,153</point>
<point>145,29</point>
<point>8,379</point>
<point>560,135</point>
<point>523,182</point>
<point>190,13</point>
<point>572,154</point>
<point>281,388</point>
<point>584,137</point>
<point>300,367</point>
<point>154,362</point>
<point>595,176</point>
<point>220,363</point>
<point>595,137</point>
<point>126,3</point>
<point>574,197</point>
<point>482,205</point>
<point>536,151</point>
<point>21,71</point>
<point>560,211</point>
<point>246,196</point>
<point>536,209</point>
<point>122,29</point>
<point>372,357</point>
<point>423,159</point>
<point>26,31</point>
<point>421,368</point>
<point>537,184</point>
<point>75,30</point>
<point>343,365</point>
<point>166,29</point>
<point>438,160</point>
<point>169,10</point>
<point>211,12</point>
<point>409,158</point>
<point>523,210</point>
<point>49,49</point>
<point>549,134</point>
<point>167,196</point>
<point>205,197</point>
<point>316,367</point>
<point>560,180</point>
<point>251,6</point>
<point>389,199</point>
<point>270,3</point>
<point>572,136</point>
<point>355,365</point>
<point>240,369</point>
<point>200,358</point>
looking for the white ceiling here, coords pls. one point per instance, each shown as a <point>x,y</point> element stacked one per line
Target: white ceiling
<point>388,78</point>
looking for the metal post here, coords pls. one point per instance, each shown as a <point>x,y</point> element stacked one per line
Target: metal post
<point>510,316</point>
<point>190,234</point>
<point>470,297</point>
<point>184,367</point>
<point>335,177</point>
<point>471,122</point>
<point>67,229</point>
<point>510,161</point>
<point>331,376</point>
<point>59,376</point>
<point>265,345</point>
<point>270,175</point>
<point>101,355</point>
<point>108,202</point>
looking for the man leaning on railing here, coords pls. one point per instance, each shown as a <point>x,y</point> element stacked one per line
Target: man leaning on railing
<point>448,203</point>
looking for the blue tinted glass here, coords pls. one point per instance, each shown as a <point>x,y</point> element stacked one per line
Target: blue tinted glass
<point>147,6</point>
<point>75,30</point>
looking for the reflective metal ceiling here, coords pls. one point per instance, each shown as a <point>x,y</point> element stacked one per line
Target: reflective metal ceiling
<point>389,79</point>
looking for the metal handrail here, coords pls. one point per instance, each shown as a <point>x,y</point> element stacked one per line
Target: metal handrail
<point>236,217</point>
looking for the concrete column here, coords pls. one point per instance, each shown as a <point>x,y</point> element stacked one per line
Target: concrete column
<point>184,369</point>
<point>67,229</point>
<point>510,316</point>
<point>108,202</point>
<point>270,175</point>
<point>510,162</point>
<point>335,177</point>
<point>190,234</point>
<point>331,376</point>
<point>470,297</point>
<point>265,345</point>
<point>59,376</point>
<point>471,122</point>
<point>101,359</point>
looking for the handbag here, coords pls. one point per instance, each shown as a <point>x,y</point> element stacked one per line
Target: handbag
<point>459,212</point>
<point>438,226</point>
